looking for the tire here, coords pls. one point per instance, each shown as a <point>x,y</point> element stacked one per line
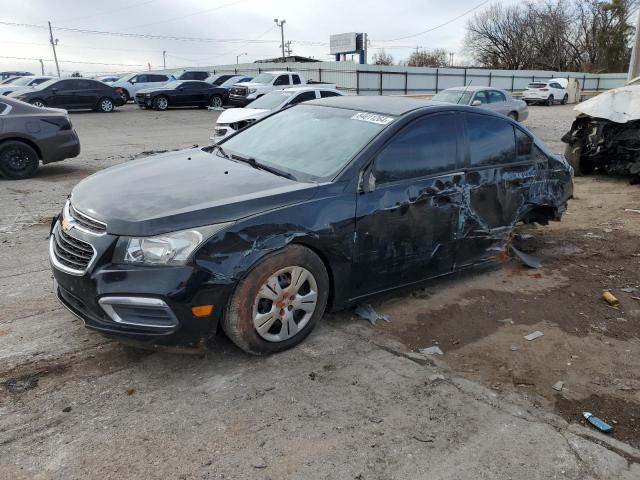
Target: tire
<point>513,116</point>
<point>125,96</point>
<point>18,160</point>
<point>261,317</point>
<point>581,166</point>
<point>161,103</point>
<point>550,100</point>
<point>105,105</point>
<point>36,102</point>
<point>565,99</point>
<point>216,101</point>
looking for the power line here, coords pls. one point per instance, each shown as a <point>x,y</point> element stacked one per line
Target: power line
<point>438,26</point>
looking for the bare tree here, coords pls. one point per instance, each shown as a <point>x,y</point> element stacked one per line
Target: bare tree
<point>424,58</point>
<point>382,58</point>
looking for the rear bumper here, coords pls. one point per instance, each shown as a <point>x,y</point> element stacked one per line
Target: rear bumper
<point>64,145</point>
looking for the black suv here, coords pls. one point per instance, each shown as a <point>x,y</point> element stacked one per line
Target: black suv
<point>73,94</point>
<point>322,204</point>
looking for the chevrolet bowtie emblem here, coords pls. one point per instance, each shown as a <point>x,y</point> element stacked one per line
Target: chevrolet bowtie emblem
<point>66,225</point>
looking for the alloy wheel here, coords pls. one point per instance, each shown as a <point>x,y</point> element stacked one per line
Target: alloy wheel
<point>216,102</point>
<point>285,303</point>
<point>38,103</point>
<point>106,105</point>
<point>162,103</point>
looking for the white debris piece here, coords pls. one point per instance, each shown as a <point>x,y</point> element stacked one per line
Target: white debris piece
<point>534,335</point>
<point>431,351</point>
<point>367,312</point>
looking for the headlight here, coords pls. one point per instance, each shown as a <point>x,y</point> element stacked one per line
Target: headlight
<point>252,90</point>
<point>173,248</point>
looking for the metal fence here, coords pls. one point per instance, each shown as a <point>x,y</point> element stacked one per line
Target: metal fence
<point>403,80</point>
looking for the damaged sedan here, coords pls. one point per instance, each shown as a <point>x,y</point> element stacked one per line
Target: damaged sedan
<point>314,207</point>
<point>605,135</point>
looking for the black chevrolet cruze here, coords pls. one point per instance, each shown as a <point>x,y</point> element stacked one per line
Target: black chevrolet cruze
<point>316,206</point>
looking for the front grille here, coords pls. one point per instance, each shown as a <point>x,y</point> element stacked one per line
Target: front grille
<point>240,91</point>
<point>70,253</point>
<point>86,222</point>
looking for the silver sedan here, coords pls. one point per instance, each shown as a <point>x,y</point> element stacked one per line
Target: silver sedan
<point>485,97</point>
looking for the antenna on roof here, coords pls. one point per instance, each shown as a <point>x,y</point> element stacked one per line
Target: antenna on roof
<point>464,91</point>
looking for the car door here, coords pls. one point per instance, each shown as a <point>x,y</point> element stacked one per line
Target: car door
<point>61,94</point>
<point>282,82</point>
<point>86,93</point>
<point>406,215</point>
<point>498,179</point>
<point>557,90</point>
<point>143,81</point>
<point>199,93</point>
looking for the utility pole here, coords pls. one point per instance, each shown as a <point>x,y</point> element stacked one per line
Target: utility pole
<point>53,45</point>
<point>42,66</point>
<point>164,59</point>
<point>281,25</point>
<point>634,65</point>
<point>238,57</point>
<point>288,48</point>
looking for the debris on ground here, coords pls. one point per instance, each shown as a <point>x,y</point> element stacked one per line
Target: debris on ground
<point>632,210</point>
<point>431,351</point>
<point>366,312</point>
<point>506,320</point>
<point>22,384</point>
<point>424,438</point>
<point>66,409</point>
<point>558,386</point>
<point>534,335</point>
<point>514,348</point>
<point>629,290</point>
<point>530,261</point>
<point>610,298</point>
<point>258,462</point>
<point>596,422</point>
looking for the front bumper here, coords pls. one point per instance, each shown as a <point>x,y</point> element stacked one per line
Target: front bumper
<point>143,101</point>
<point>150,306</point>
<point>239,101</point>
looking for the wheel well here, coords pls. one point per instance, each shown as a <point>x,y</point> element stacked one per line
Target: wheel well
<point>515,114</point>
<point>327,265</point>
<point>25,141</point>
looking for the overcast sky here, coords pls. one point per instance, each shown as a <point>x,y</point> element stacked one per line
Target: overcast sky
<point>237,26</point>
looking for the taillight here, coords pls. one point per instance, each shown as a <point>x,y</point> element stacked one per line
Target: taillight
<point>118,90</point>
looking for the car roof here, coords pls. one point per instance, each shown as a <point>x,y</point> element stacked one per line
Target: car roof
<point>279,72</point>
<point>472,88</point>
<point>376,104</point>
<point>306,88</point>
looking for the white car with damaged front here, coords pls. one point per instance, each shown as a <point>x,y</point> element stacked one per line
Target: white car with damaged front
<point>234,119</point>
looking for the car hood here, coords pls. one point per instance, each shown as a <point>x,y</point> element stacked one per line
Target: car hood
<point>233,115</point>
<point>620,105</point>
<point>250,84</point>
<point>182,189</point>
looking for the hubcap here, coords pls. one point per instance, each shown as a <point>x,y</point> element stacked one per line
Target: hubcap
<point>107,105</point>
<point>285,304</point>
<point>162,103</point>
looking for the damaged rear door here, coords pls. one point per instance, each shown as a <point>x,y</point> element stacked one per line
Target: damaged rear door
<point>499,179</point>
<point>405,218</point>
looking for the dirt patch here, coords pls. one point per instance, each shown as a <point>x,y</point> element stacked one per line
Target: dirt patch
<point>623,416</point>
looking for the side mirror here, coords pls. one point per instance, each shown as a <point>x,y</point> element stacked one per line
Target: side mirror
<point>132,81</point>
<point>475,103</point>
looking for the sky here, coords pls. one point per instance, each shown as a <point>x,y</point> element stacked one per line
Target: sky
<point>232,28</point>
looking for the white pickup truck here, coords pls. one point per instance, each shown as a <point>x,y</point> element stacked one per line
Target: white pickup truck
<point>243,93</point>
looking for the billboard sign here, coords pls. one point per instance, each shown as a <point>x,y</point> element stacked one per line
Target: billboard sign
<point>342,43</point>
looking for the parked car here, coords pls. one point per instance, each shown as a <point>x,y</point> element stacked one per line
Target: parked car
<point>30,135</point>
<point>108,78</point>
<point>219,79</point>
<point>605,135</point>
<point>6,75</point>
<point>244,93</point>
<point>320,205</point>
<point>73,94</point>
<point>547,93</point>
<point>190,75</point>
<point>234,119</point>
<point>134,82</point>
<point>21,84</point>
<point>182,93</point>
<point>487,98</point>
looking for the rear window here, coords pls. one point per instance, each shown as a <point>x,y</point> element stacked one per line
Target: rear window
<point>537,85</point>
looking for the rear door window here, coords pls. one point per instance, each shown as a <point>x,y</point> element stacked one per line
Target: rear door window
<point>491,140</point>
<point>424,147</point>
<point>496,97</point>
<point>296,79</point>
<point>303,97</point>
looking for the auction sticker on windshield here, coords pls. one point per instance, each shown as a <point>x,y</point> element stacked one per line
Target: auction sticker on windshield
<point>372,118</point>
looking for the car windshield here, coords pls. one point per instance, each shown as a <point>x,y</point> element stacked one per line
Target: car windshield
<point>22,81</point>
<point>173,84</point>
<point>11,80</point>
<point>271,100</point>
<point>312,143</point>
<point>460,97</point>
<point>230,82</point>
<point>46,84</point>
<point>263,78</point>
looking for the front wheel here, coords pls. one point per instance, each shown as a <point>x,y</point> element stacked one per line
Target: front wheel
<point>279,302</point>
<point>216,101</point>
<point>18,160</point>
<point>38,103</point>
<point>550,100</point>
<point>161,103</point>
<point>105,105</point>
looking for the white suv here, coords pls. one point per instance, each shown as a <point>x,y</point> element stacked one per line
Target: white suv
<point>133,82</point>
<point>22,84</point>
<point>549,92</point>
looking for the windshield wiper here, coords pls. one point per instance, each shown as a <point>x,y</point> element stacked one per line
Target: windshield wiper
<point>216,146</point>
<point>260,166</point>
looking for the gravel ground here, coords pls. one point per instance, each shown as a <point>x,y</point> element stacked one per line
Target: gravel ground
<point>352,402</point>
